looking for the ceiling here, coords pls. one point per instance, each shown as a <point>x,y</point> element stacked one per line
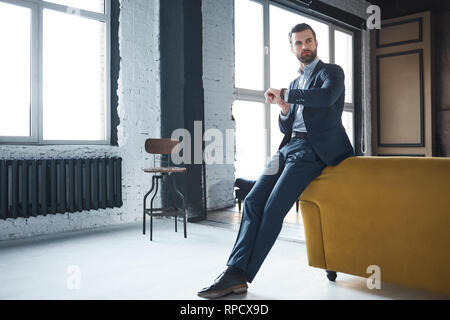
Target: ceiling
<point>398,8</point>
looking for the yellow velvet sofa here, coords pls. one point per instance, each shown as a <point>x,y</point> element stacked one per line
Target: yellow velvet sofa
<point>392,212</point>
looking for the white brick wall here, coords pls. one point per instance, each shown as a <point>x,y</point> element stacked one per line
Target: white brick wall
<point>139,113</point>
<point>218,80</point>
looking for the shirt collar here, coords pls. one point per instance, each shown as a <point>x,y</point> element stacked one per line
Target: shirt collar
<point>309,67</point>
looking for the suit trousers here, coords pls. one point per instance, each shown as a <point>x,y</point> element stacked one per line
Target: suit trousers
<point>285,177</point>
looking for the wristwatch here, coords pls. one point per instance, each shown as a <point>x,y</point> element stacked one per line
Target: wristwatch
<point>282,92</point>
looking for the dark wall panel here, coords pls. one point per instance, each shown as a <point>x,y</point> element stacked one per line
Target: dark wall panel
<point>182,91</point>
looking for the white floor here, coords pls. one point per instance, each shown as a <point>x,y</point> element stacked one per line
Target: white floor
<point>121,263</point>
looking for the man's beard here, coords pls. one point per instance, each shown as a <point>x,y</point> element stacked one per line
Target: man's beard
<point>308,58</point>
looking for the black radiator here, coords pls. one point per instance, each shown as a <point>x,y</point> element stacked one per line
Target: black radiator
<point>50,186</point>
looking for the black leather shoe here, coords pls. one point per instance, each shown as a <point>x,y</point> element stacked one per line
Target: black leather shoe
<point>232,280</point>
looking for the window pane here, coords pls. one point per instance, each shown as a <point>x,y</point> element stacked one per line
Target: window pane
<point>90,5</point>
<point>347,121</point>
<point>275,134</point>
<point>74,77</point>
<point>344,58</point>
<point>15,72</point>
<point>250,139</point>
<point>249,45</point>
<point>283,63</point>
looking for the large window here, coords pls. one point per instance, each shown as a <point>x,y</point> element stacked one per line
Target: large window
<point>263,60</point>
<point>54,79</point>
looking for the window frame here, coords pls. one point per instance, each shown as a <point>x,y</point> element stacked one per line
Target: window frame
<point>258,96</point>
<point>36,55</point>
<point>348,107</point>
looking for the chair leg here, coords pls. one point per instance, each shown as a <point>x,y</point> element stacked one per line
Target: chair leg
<point>145,200</point>
<point>143,222</point>
<point>296,205</point>
<point>184,222</point>
<point>151,208</point>
<point>151,227</point>
<point>174,193</point>
<point>239,205</point>
<point>174,181</point>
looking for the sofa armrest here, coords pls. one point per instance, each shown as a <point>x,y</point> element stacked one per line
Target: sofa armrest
<point>313,234</point>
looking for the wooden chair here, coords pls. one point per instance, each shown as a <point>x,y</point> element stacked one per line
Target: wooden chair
<point>163,147</point>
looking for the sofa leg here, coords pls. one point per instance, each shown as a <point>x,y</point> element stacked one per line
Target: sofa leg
<point>331,275</point>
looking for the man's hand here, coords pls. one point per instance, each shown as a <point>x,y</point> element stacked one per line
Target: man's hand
<point>273,96</point>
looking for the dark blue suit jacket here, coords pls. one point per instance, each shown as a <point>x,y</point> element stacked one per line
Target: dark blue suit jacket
<point>323,102</point>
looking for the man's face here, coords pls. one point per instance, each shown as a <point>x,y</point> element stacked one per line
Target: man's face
<point>304,46</point>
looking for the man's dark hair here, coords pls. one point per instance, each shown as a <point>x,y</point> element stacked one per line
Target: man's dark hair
<point>299,28</point>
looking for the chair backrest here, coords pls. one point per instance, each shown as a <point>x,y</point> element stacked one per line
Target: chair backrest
<point>160,146</point>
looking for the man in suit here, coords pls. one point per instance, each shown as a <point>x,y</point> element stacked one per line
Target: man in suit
<point>314,137</point>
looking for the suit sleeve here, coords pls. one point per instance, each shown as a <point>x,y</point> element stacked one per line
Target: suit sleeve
<point>285,122</point>
<point>332,88</point>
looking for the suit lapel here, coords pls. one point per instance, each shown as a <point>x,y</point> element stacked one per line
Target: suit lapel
<point>314,74</point>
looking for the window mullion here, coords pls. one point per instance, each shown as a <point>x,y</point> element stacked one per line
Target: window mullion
<point>108,73</point>
<point>247,94</point>
<point>332,43</point>
<point>35,77</point>
<point>266,37</point>
<point>39,123</point>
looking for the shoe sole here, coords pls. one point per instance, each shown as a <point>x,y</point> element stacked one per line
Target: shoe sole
<point>241,288</point>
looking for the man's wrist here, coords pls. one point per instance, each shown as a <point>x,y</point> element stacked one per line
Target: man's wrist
<point>282,94</point>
